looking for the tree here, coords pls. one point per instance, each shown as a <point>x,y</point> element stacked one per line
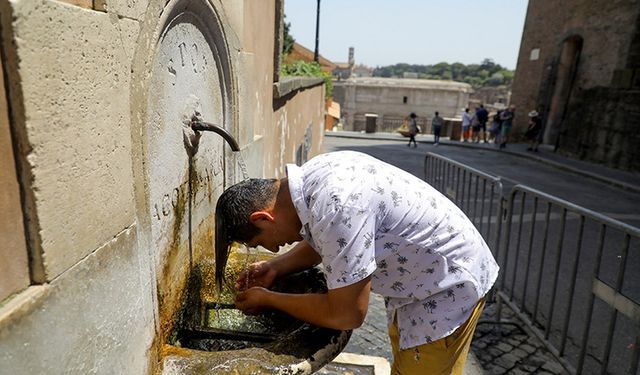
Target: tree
<point>287,39</point>
<point>487,73</point>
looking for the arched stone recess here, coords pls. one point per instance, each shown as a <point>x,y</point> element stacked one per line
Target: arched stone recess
<point>566,70</point>
<point>184,66</point>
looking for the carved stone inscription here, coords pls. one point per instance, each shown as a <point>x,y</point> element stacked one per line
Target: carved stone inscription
<point>185,80</point>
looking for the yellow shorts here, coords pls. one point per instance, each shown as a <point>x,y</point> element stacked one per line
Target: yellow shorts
<point>441,357</point>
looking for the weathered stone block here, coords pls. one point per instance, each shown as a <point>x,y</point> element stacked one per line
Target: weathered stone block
<point>14,267</point>
<point>74,67</point>
<point>88,4</point>
<point>94,318</point>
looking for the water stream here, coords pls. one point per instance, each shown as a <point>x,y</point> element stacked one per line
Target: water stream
<point>243,165</point>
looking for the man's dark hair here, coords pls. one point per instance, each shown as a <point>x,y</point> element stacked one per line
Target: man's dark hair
<point>437,113</point>
<point>234,207</point>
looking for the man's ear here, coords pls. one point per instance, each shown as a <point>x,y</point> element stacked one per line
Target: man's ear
<point>260,216</point>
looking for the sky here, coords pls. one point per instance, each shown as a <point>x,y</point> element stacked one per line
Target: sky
<point>385,32</point>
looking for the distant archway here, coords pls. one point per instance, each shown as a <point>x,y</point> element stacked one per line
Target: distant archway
<point>565,79</point>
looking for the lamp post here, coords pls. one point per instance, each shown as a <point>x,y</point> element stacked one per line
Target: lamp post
<point>316,55</point>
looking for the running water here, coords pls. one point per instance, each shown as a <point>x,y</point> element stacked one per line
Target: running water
<point>243,166</point>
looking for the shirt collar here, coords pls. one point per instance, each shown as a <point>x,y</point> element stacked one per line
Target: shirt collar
<point>296,183</point>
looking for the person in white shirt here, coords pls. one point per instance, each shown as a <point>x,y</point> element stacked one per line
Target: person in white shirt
<point>373,227</point>
<point>466,125</point>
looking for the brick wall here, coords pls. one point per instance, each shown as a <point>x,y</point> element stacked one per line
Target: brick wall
<point>606,76</point>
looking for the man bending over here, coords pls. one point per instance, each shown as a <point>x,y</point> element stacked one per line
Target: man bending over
<point>373,227</point>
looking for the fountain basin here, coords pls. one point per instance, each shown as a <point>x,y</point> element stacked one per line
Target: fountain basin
<point>213,337</point>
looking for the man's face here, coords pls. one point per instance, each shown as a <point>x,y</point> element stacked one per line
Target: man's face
<point>274,236</point>
<point>266,241</point>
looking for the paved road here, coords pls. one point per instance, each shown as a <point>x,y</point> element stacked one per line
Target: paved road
<point>620,204</point>
<point>512,169</point>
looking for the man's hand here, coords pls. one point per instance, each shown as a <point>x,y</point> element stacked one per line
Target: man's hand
<point>260,274</point>
<point>252,301</point>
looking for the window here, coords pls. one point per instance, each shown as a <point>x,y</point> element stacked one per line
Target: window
<point>404,99</point>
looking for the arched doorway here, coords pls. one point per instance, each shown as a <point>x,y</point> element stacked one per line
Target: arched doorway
<point>565,79</point>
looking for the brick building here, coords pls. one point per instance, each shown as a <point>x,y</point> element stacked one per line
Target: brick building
<point>579,65</point>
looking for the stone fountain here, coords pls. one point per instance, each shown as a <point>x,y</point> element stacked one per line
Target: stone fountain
<point>212,336</point>
<point>188,94</point>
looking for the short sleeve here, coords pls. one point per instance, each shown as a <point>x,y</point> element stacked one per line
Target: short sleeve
<point>345,238</point>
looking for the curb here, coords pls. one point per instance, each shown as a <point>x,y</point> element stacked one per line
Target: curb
<point>619,184</point>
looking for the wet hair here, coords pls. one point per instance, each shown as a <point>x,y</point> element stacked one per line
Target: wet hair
<point>234,207</point>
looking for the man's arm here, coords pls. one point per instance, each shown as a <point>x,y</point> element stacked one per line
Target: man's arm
<point>300,258</point>
<point>342,308</point>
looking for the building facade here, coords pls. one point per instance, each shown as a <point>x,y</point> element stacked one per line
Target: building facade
<point>392,99</point>
<point>579,65</point>
<point>108,194</point>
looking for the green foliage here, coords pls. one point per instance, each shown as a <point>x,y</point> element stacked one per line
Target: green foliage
<point>287,39</point>
<point>305,69</point>
<point>487,73</point>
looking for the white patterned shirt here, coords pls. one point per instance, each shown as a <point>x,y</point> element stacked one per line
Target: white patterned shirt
<point>368,218</point>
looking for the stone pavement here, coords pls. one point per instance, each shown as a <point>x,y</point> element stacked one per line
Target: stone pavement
<point>497,348</point>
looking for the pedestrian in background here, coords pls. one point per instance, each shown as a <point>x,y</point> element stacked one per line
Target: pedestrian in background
<point>437,124</point>
<point>507,121</point>
<point>483,116</point>
<point>475,126</point>
<point>534,132</point>
<point>494,132</point>
<point>413,129</point>
<point>466,124</point>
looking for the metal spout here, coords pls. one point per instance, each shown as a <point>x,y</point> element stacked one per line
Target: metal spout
<point>206,126</point>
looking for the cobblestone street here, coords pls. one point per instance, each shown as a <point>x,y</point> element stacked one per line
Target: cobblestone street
<point>508,349</point>
<point>498,348</point>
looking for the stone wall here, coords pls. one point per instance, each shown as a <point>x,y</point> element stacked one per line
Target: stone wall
<point>605,33</point>
<point>394,99</point>
<point>115,202</point>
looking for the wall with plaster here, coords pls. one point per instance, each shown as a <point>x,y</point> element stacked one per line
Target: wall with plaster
<point>115,203</point>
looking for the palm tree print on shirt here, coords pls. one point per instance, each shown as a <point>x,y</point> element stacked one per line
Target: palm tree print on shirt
<point>451,294</point>
<point>396,198</point>
<point>368,240</point>
<point>397,286</point>
<point>455,269</point>
<point>390,246</point>
<point>430,305</point>
<point>342,243</point>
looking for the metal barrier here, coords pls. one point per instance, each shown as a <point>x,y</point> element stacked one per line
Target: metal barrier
<point>578,297</point>
<point>476,193</point>
<point>557,293</point>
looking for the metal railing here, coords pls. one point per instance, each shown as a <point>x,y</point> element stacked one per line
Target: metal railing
<point>569,273</point>
<point>476,193</point>
<point>558,279</point>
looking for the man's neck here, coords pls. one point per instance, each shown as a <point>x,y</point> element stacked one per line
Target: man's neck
<point>284,204</point>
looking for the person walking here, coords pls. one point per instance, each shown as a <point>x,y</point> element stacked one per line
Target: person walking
<point>413,129</point>
<point>483,116</point>
<point>466,125</point>
<point>506,117</point>
<point>534,131</point>
<point>373,227</point>
<point>437,123</point>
